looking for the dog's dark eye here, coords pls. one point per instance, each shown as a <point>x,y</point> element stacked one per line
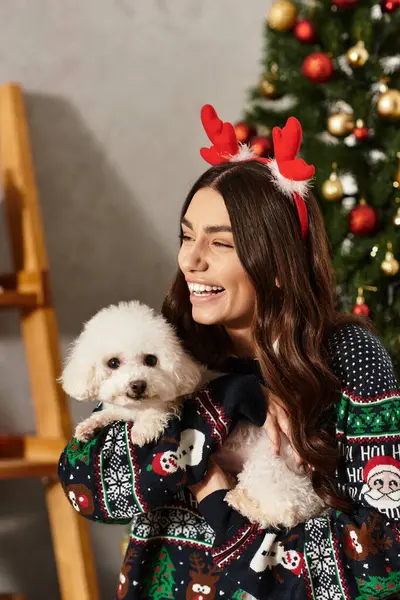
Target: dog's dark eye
<point>113,363</point>
<point>150,360</point>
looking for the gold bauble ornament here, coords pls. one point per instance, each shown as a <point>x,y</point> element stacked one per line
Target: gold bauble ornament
<point>282,15</point>
<point>340,124</point>
<point>332,188</point>
<point>396,218</point>
<point>358,55</point>
<point>396,182</point>
<point>268,89</point>
<point>388,104</point>
<point>267,84</point>
<point>390,266</point>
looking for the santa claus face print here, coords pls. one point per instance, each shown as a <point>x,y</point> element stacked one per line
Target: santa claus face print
<point>386,482</point>
<point>384,489</point>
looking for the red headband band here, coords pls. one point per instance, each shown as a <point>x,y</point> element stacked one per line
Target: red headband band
<point>290,174</point>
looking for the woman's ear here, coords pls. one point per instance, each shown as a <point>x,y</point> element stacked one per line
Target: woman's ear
<point>79,377</point>
<point>277,282</point>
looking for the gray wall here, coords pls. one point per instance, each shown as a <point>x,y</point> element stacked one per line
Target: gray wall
<point>113,91</point>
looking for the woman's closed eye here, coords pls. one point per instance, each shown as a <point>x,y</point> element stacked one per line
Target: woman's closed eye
<point>222,244</point>
<point>185,237</point>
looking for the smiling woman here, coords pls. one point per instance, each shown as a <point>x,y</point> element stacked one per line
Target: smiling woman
<point>221,291</point>
<point>254,298</point>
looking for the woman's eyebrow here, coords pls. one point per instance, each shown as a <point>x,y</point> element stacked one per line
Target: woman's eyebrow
<point>209,228</point>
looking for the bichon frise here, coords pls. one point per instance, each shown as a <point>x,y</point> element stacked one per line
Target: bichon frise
<point>129,358</point>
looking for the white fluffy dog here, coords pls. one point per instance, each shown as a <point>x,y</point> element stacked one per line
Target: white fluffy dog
<point>129,358</point>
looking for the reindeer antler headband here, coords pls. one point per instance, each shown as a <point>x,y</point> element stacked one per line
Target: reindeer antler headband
<point>290,174</point>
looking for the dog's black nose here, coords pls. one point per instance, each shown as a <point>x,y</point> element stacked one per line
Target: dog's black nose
<point>138,387</point>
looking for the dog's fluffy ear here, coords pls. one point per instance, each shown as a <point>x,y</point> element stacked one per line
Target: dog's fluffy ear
<point>79,377</point>
<point>188,374</point>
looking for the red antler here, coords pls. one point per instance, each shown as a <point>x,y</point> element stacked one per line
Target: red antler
<point>222,135</point>
<point>287,143</point>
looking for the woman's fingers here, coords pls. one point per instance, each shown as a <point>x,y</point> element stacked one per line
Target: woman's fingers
<point>278,421</point>
<point>214,480</point>
<point>273,431</point>
<point>283,423</point>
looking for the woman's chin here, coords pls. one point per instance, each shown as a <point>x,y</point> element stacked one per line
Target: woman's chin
<point>204,317</point>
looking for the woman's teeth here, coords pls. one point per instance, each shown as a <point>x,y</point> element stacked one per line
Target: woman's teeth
<point>199,289</point>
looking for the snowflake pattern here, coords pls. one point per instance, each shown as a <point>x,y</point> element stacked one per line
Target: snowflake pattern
<point>333,593</point>
<point>118,481</point>
<point>173,524</point>
<point>318,522</point>
<point>320,557</point>
<point>117,475</point>
<point>320,560</point>
<point>113,443</point>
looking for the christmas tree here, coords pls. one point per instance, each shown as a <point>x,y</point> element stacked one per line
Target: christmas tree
<point>242,595</point>
<point>335,65</point>
<point>381,586</point>
<point>160,582</point>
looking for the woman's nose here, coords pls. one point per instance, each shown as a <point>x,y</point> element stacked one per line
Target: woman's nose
<point>194,258</point>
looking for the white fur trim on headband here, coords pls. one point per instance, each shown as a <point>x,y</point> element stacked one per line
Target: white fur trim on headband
<point>288,186</point>
<point>245,153</point>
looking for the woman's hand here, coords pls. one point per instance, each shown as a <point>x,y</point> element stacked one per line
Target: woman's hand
<point>277,422</point>
<point>214,480</point>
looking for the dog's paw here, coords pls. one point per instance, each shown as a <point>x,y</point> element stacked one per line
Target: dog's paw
<point>240,501</point>
<point>141,438</point>
<point>84,432</point>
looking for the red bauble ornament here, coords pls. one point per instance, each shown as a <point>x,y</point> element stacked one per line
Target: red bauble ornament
<point>361,309</point>
<point>244,132</point>
<point>363,220</point>
<point>317,67</point>
<point>360,131</point>
<point>305,31</point>
<point>344,3</point>
<point>261,145</point>
<point>390,6</point>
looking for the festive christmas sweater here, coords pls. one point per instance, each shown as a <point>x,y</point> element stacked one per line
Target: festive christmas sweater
<point>182,550</point>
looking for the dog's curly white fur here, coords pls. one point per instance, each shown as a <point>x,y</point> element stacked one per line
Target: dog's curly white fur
<point>136,390</point>
<point>271,490</point>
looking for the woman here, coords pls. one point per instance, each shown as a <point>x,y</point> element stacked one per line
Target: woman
<point>253,297</point>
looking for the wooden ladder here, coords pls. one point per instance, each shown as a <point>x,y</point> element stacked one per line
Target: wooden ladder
<point>28,289</point>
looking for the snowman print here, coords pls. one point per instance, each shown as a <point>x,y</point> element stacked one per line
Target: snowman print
<point>272,553</point>
<point>188,454</point>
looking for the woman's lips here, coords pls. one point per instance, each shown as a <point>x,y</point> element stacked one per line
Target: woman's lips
<point>206,297</point>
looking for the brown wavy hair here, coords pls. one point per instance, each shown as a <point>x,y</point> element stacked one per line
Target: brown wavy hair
<point>302,310</point>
